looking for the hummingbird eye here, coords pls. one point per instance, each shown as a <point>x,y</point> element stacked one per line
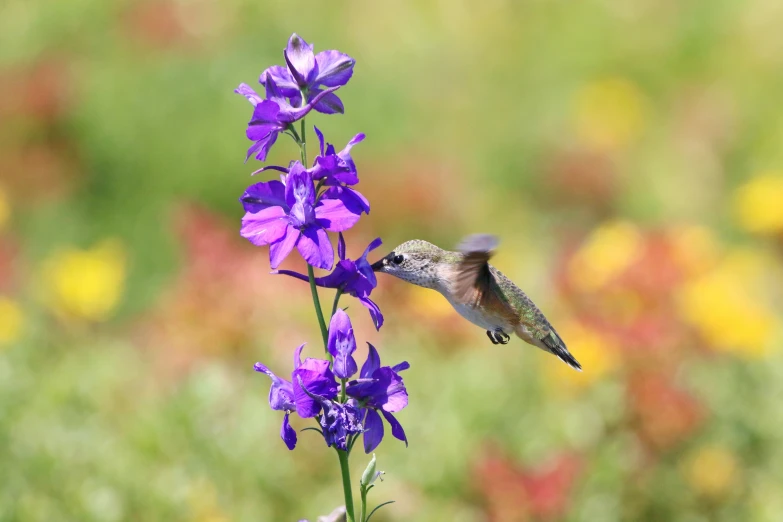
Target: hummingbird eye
<point>398,259</point>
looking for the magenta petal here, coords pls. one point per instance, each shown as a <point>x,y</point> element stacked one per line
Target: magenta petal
<point>396,427</point>
<point>373,434</point>
<point>287,433</point>
<point>280,249</point>
<point>334,215</point>
<point>264,227</point>
<point>315,247</point>
<point>248,92</point>
<point>334,68</point>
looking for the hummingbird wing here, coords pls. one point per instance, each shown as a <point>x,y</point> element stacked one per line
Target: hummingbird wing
<point>473,270</point>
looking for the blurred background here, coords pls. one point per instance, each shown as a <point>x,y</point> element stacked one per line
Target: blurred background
<point>629,154</point>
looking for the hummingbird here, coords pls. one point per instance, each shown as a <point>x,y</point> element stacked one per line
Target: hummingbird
<point>478,291</point>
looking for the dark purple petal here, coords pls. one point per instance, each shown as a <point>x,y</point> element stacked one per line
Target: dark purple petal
<point>372,363</point>
<point>396,427</point>
<point>385,390</point>
<point>329,104</point>
<point>373,434</point>
<point>287,433</point>
<point>280,249</point>
<point>264,227</point>
<point>339,422</point>
<point>334,68</point>
<point>334,215</point>
<point>301,60</point>
<point>259,196</point>
<point>397,368</point>
<point>291,273</point>
<point>315,247</point>
<point>248,92</point>
<point>354,202</point>
<point>282,78</point>
<point>375,311</point>
<point>315,375</point>
<point>341,345</point>
<point>281,393</point>
<point>320,138</point>
<point>340,246</point>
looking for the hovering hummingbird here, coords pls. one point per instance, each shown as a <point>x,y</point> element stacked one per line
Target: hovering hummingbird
<point>478,291</point>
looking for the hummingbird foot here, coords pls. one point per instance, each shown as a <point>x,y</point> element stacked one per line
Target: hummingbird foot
<point>498,337</point>
<point>492,337</point>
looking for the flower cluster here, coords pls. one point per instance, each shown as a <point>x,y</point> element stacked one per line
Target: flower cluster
<point>299,211</point>
<point>314,392</point>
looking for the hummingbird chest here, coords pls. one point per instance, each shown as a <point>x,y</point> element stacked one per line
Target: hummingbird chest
<point>481,316</point>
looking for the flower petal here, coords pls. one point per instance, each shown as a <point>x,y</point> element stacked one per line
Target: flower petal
<point>262,146</point>
<point>301,60</point>
<point>334,215</point>
<point>353,201</point>
<point>320,138</point>
<point>396,427</point>
<point>340,246</point>
<point>315,247</point>
<point>287,433</point>
<point>318,379</point>
<point>264,227</point>
<point>329,104</point>
<point>280,249</point>
<point>259,196</point>
<point>248,92</point>
<point>334,68</point>
<point>289,114</point>
<point>282,78</point>
<point>373,434</point>
<point>299,186</point>
<point>281,393</point>
<point>375,311</point>
<point>404,365</point>
<point>266,112</point>
<point>341,345</point>
<point>298,356</point>
<point>372,363</point>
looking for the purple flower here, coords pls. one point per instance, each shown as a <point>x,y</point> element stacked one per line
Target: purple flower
<point>288,397</point>
<point>287,214</point>
<point>352,277</point>
<point>337,171</point>
<point>272,116</point>
<point>379,389</point>
<point>342,344</point>
<point>307,73</point>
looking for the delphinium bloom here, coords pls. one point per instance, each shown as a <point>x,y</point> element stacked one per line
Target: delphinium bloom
<point>308,72</point>
<point>379,389</point>
<point>355,278</point>
<point>288,213</point>
<point>272,116</point>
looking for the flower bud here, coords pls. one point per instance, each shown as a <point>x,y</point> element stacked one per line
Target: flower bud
<point>369,475</point>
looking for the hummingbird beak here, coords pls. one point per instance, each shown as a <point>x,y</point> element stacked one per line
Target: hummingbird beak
<point>379,265</point>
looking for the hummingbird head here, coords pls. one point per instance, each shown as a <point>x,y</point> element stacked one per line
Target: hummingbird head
<point>414,261</point>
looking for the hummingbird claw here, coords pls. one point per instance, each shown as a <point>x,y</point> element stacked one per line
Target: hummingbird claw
<point>491,336</point>
<point>500,337</point>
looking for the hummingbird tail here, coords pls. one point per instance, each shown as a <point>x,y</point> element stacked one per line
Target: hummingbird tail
<point>555,345</point>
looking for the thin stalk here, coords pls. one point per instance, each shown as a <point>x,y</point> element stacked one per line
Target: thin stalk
<point>343,456</point>
<point>303,143</point>
<point>364,504</point>
<point>317,303</point>
<point>336,300</point>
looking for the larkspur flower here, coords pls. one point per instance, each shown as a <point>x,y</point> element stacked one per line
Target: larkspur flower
<point>379,389</point>
<point>338,421</point>
<point>355,278</point>
<point>288,213</point>
<point>307,72</point>
<point>341,345</point>
<point>272,116</point>
<point>288,396</point>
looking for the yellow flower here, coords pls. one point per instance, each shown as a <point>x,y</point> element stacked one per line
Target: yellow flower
<point>597,353</point>
<point>695,248</point>
<point>85,284</point>
<point>726,304</point>
<point>608,251</point>
<point>758,204</point>
<point>610,113</point>
<point>711,471</point>
<point>5,208</point>
<point>11,321</point>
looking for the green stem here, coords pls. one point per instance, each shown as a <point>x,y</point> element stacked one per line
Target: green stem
<point>364,505</point>
<point>336,300</point>
<point>303,143</point>
<point>343,456</point>
<point>317,303</point>
<point>342,390</point>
